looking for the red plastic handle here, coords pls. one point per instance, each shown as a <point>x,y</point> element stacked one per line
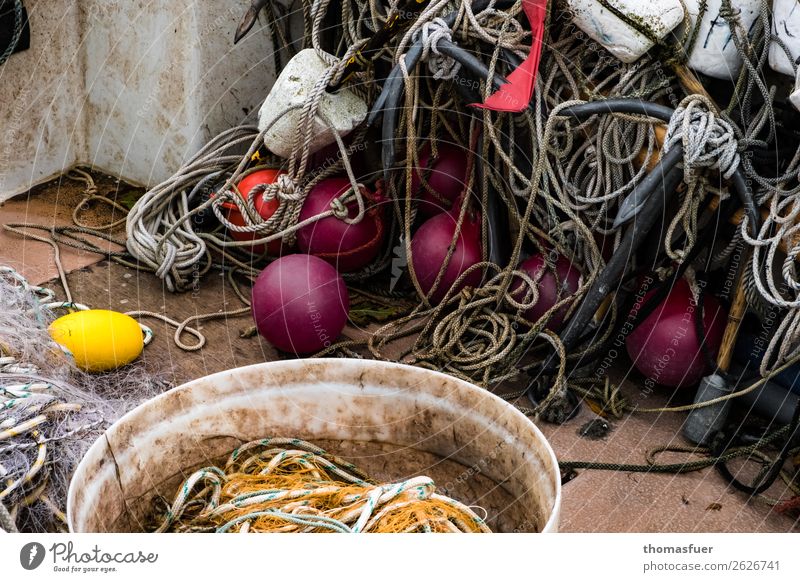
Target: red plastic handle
<point>515,95</point>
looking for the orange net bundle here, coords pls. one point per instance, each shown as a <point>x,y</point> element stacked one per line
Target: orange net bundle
<point>291,486</point>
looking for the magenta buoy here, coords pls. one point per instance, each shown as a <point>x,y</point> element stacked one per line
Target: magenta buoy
<point>552,288</point>
<point>429,249</point>
<point>665,347</point>
<point>447,177</point>
<point>348,247</point>
<point>300,304</point>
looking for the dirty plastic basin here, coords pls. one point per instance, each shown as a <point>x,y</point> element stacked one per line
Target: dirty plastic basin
<point>387,418</point>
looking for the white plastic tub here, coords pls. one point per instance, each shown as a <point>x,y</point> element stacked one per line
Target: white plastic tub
<point>390,419</point>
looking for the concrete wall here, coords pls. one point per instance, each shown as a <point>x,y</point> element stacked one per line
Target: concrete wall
<point>132,87</point>
<point>41,92</point>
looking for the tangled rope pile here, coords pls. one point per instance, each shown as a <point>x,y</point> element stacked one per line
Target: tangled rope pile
<point>535,185</point>
<point>291,486</point>
<point>50,412</point>
<point>559,183</point>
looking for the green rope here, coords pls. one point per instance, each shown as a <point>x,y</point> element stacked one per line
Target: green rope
<point>676,468</point>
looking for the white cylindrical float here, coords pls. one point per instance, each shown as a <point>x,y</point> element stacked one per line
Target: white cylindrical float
<point>795,96</point>
<point>714,52</point>
<point>618,24</point>
<point>786,26</point>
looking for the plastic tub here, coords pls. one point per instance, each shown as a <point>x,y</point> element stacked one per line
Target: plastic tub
<point>391,420</point>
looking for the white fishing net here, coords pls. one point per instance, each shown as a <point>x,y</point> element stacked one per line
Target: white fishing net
<point>50,411</point>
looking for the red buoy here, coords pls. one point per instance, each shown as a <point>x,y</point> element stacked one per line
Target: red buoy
<point>665,347</point>
<point>300,304</point>
<point>429,248</point>
<point>446,175</point>
<point>348,247</point>
<point>265,209</point>
<point>552,288</point>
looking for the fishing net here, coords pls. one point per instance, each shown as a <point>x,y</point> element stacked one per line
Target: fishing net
<point>50,411</point>
<point>291,486</point>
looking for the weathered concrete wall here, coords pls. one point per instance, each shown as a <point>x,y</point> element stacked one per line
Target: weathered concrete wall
<point>163,77</point>
<point>41,97</point>
<point>131,87</point>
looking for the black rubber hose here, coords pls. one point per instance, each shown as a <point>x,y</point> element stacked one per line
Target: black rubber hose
<point>637,106</point>
<point>632,106</point>
<point>390,104</point>
<point>390,112</point>
<point>642,191</point>
<point>617,265</point>
<point>393,92</point>
<point>610,277</point>
<point>470,62</point>
<point>496,215</point>
<point>745,194</point>
<point>647,216</point>
<point>662,289</point>
<point>16,35</point>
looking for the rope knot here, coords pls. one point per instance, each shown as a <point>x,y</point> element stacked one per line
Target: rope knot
<point>339,208</point>
<point>442,66</point>
<point>284,188</point>
<point>709,140</point>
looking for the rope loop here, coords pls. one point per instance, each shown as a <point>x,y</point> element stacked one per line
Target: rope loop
<point>709,141</point>
<point>442,66</point>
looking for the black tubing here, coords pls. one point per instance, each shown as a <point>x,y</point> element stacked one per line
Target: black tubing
<point>637,106</point>
<point>642,191</point>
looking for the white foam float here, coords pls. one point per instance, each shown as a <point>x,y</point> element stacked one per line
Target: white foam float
<point>714,52</point>
<point>344,110</point>
<point>786,25</point>
<point>599,20</point>
<point>795,96</point>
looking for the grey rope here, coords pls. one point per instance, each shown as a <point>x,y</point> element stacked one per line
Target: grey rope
<point>18,28</point>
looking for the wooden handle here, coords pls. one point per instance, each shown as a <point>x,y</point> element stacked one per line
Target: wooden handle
<point>691,83</point>
<point>661,133</point>
<point>738,308</point>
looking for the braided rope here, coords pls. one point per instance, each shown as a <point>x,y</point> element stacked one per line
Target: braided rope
<point>16,35</point>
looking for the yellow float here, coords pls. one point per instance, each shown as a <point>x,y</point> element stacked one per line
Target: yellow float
<point>99,339</point>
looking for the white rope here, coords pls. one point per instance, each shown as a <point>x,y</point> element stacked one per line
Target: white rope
<point>708,140</point>
<point>442,66</point>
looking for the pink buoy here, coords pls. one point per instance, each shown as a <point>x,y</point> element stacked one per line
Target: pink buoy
<point>348,247</point>
<point>665,347</point>
<point>552,288</point>
<point>300,304</point>
<point>446,175</point>
<point>429,250</point>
